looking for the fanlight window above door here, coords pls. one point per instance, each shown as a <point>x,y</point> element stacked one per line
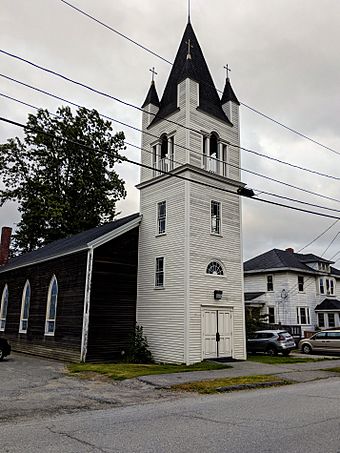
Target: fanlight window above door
<point>215,268</point>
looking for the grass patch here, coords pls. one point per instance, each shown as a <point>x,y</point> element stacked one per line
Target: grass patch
<point>335,369</point>
<point>121,371</point>
<point>212,386</point>
<point>279,359</point>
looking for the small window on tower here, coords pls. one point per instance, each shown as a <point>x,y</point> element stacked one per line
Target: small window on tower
<point>215,217</point>
<point>161,217</point>
<point>159,274</point>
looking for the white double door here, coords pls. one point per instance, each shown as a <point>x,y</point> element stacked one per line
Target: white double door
<point>217,333</point>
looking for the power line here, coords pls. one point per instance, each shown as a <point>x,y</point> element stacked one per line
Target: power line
<point>337,234</point>
<point>181,146</point>
<point>318,237</point>
<point>171,174</point>
<point>165,119</point>
<point>279,123</point>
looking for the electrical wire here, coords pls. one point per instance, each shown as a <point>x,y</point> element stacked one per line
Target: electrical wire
<point>172,122</point>
<point>279,123</point>
<point>318,237</point>
<point>171,174</point>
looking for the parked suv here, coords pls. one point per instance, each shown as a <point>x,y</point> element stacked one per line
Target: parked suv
<point>271,341</point>
<point>5,348</point>
<point>326,340</point>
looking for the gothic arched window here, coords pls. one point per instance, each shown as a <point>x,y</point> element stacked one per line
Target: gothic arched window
<point>25,307</point>
<point>3,308</point>
<point>211,154</point>
<point>215,268</point>
<point>51,312</point>
<point>163,154</point>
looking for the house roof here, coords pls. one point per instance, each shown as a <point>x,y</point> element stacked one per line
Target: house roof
<point>196,69</point>
<point>81,241</point>
<point>251,296</point>
<point>329,305</point>
<point>151,97</point>
<point>277,259</point>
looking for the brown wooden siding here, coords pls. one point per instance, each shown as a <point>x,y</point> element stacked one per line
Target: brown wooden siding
<point>70,271</point>
<point>113,297</point>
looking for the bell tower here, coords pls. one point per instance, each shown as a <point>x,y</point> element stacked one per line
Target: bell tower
<point>190,272</point>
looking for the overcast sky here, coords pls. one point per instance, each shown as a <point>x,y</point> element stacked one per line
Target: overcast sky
<point>284,60</point>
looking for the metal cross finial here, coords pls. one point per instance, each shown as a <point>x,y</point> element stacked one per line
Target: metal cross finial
<point>190,46</point>
<point>226,67</point>
<point>153,74</point>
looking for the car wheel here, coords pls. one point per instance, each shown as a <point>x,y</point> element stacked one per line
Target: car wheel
<point>2,355</point>
<point>271,351</point>
<point>286,353</point>
<point>306,349</point>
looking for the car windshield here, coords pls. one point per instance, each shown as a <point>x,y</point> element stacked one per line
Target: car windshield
<point>286,334</point>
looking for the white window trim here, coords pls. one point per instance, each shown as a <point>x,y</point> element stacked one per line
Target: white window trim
<point>2,318</point>
<point>23,299</point>
<point>298,312</point>
<point>166,218</point>
<point>47,319</point>
<point>275,314</point>
<point>214,260</point>
<point>155,273</point>
<point>271,290</point>
<point>220,234</point>
<point>303,284</point>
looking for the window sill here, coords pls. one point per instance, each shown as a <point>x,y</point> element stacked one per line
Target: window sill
<point>159,287</point>
<point>49,334</point>
<point>160,235</point>
<point>217,235</point>
<point>23,332</point>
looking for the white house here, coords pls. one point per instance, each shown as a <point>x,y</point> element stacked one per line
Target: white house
<point>190,282</point>
<point>293,288</point>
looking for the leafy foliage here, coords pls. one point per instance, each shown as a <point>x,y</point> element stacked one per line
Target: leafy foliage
<point>61,174</point>
<point>254,320</point>
<point>138,350</point>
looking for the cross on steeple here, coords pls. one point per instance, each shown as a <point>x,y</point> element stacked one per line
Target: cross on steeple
<point>190,46</point>
<point>153,74</point>
<point>226,67</point>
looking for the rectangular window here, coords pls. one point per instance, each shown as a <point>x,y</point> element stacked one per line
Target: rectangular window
<point>331,287</point>
<point>300,283</point>
<point>270,284</point>
<point>321,319</point>
<point>303,316</point>
<point>161,217</point>
<point>159,275</point>
<point>215,217</point>
<point>225,160</point>
<point>327,286</point>
<point>331,320</point>
<point>322,286</point>
<point>271,313</point>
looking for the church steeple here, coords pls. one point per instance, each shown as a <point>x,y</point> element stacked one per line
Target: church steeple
<point>190,63</point>
<point>152,96</point>
<point>228,93</point>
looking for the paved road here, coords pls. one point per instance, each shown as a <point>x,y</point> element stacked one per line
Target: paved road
<point>303,418</point>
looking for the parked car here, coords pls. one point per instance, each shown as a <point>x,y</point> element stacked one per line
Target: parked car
<point>5,348</point>
<point>326,341</point>
<point>271,341</point>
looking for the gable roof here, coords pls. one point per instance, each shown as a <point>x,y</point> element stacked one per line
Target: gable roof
<point>277,259</point>
<point>196,69</point>
<point>73,244</point>
<point>328,304</point>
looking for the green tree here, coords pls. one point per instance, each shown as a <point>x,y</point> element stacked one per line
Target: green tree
<point>62,175</point>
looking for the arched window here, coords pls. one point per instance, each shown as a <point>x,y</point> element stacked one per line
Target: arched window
<point>163,153</point>
<point>211,154</point>
<point>25,307</point>
<point>164,146</point>
<point>3,308</point>
<point>51,312</point>
<point>215,268</point>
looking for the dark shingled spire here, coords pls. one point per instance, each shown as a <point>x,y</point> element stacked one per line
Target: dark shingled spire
<point>151,97</point>
<point>194,68</point>
<point>228,94</point>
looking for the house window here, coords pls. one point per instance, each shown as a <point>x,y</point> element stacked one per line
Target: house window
<point>51,312</point>
<point>301,283</point>
<point>321,319</point>
<point>322,286</point>
<point>214,268</point>
<point>161,217</point>
<point>25,308</point>
<point>270,284</point>
<point>271,315</point>
<point>303,315</point>
<point>331,320</point>
<point>331,287</point>
<point>159,275</point>
<point>3,308</point>
<point>215,217</point>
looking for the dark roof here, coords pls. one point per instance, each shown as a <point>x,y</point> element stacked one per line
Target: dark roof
<point>68,245</point>
<point>151,97</point>
<point>197,69</point>
<point>278,259</point>
<point>252,296</point>
<point>228,94</point>
<point>328,304</point>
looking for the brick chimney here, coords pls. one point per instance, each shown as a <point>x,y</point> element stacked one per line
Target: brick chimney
<point>4,245</point>
<point>290,250</point>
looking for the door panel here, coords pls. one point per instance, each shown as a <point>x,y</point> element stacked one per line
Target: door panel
<point>217,322</point>
<point>209,334</point>
<point>224,329</point>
